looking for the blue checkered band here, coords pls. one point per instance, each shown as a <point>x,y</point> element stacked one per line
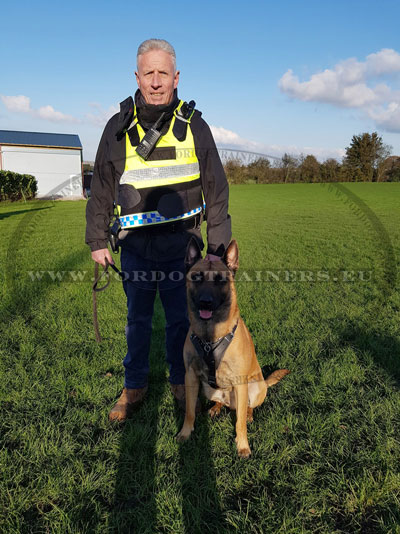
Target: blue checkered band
<point>153,217</point>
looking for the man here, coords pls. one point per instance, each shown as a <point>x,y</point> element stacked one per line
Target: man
<point>160,187</point>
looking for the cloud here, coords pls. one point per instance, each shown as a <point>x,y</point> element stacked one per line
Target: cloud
<point>22,104</point>
<point>50,114</point>
<point>387,118</point>
<point>386,61</point>
<point>227,139</point>
<point>18,103</point>
<point>100,115</point>
<point>354,84</point>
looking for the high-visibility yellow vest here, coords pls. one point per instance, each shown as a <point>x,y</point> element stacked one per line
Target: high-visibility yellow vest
<point>164,188</point>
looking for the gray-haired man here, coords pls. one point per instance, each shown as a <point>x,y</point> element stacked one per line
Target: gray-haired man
<point>160,183</point>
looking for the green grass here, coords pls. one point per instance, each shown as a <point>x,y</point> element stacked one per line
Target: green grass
<point>325,444</point>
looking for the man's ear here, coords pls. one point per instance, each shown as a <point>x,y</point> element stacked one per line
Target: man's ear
<point>137,78</point>
<point>193,253</point>
<point>176,79</point>
<point>231,256</point>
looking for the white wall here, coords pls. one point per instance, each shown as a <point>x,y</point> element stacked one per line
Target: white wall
<point>58,171</point>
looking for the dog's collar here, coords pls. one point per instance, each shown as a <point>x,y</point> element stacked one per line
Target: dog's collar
<point>210,350</point>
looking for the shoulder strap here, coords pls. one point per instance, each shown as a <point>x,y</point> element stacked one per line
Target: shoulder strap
<point>183,115</point>
<point>206,352</point>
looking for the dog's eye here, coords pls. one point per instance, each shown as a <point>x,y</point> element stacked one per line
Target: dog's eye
<point>196,276</point>
<point>221,278</point>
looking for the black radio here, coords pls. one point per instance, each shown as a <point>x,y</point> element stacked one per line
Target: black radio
<point>149,141</point>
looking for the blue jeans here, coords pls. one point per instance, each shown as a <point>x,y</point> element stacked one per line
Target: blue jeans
<point>145,277</point>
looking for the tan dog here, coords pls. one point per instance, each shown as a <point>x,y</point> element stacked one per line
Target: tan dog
<point>219,351</point>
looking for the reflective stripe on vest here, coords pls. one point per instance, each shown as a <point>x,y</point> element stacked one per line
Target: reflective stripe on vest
<point>156,183</point>
<point>155,176</point>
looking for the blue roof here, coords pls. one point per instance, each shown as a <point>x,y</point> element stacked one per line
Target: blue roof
<point>11,137</point>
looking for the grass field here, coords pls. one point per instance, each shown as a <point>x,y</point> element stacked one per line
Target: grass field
<point>318,288</point>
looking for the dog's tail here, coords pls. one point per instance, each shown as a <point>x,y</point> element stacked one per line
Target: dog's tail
<point>276,376</point>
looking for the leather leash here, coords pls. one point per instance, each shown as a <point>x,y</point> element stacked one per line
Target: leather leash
<point>96,289</point>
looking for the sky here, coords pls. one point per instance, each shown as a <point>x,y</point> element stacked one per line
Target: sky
<point>270,77</point>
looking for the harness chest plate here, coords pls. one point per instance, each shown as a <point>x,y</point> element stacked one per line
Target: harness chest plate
<point>209,351</point>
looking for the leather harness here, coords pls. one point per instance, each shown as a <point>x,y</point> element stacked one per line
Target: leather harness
<point>210,350</point>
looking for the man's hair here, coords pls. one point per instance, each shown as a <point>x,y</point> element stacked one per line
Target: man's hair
<point>156,44</point>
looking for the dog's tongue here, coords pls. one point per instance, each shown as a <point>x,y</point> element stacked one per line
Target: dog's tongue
<point>205,314</point>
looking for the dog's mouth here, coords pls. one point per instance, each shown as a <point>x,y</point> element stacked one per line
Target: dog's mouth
<point>205,314</point>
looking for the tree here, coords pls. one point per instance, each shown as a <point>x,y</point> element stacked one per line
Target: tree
<point>391,169</point>
<point>365,155</point>
<point>235,171</point>
<point>330,170</point>
<point>258,170</point>
<point>288,164</point>
<point>310,169</point>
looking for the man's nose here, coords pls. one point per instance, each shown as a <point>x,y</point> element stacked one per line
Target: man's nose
<point>156,81</point>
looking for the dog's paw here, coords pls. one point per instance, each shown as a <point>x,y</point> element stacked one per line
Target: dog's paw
<point>215,410</point>
<point>243,448</point>
<point>183,436</point>
<point>244,452</point>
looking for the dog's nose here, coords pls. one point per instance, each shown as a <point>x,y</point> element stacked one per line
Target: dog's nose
<point>205,301</point>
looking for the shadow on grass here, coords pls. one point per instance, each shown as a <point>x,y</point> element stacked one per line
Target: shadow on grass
<point>201,509</point>
<point>24,293</point>
<point>135,498</point>
<point>384,349</point>
<point>6,214</point>
<point>139,500</point>
<point>157,490</point>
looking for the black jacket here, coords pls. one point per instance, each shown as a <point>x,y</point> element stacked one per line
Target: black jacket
<point>156,243</point>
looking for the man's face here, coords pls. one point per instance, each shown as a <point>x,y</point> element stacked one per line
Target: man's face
<point>156,77</point>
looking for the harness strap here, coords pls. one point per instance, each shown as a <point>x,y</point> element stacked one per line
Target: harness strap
<point>209,351</point>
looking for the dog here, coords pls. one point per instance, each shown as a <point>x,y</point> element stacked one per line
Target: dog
<point>218,350</point>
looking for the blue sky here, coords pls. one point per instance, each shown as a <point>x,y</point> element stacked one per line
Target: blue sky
<point>294,76</point>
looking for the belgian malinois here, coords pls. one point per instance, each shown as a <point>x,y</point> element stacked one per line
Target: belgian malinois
<point>219,351</point>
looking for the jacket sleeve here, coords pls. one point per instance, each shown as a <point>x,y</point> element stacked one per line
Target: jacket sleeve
<point>215,188</point>
<point>99,209</point>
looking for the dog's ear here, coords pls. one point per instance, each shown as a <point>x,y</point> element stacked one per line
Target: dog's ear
<point>231,256</point>
<point>193,253</point>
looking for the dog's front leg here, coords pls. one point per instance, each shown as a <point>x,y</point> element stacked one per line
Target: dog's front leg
<point>191,393</point>
<point>242,399</point>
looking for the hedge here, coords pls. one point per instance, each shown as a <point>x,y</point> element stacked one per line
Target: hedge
<point>14,186</point>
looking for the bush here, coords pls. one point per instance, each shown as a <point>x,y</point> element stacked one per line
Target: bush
<point>14,186</point>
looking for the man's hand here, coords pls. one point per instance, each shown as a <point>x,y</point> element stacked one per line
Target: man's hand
<point>100,256</point>
<point>212,257</point>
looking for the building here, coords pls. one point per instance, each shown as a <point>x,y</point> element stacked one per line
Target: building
<point>55,160</point>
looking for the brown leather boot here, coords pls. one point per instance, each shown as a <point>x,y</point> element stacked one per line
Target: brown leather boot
<point>178,391</point>
<point>125,404</point>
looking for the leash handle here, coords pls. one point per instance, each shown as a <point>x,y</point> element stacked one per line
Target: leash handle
<point>98,277</point>
<point>106,274</point>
